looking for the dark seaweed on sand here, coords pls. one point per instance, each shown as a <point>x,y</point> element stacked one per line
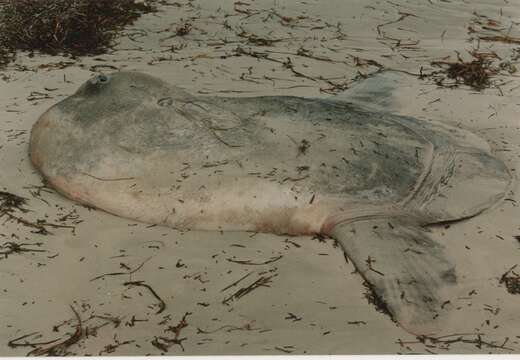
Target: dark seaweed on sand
<point>476,73</point>
<point>511,279</point>
<point>71,27</point>
<point>11,202</point>
<point>375,300</point>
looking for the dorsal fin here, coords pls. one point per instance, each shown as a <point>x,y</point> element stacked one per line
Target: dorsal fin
<point>377,91</point>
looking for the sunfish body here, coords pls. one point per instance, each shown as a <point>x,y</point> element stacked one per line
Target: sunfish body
<point>137,147</point>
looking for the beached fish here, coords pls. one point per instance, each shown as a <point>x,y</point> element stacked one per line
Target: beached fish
<point>135,146</point>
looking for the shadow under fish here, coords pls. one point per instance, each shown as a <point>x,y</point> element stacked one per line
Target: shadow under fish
<point>135,146</point>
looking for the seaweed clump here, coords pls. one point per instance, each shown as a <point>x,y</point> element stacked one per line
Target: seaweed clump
<point>476,73</point>
<point>69,27</point>
<point>376,300</point>
<point>512,281</point>
<point>11,202</point>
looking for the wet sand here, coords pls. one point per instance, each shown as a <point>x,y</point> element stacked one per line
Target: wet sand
<point>131,284</point>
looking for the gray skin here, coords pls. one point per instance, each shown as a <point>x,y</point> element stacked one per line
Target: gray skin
<point>137,147</point>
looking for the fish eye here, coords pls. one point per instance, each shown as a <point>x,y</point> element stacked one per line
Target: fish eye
<point>100,79</point>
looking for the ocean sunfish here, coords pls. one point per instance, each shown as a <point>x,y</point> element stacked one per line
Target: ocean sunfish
<point>135,146</point>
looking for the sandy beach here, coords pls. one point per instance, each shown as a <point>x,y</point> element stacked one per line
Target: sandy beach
<point>151,290</point>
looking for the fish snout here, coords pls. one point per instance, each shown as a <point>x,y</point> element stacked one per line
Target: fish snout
<point>39,132</point>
